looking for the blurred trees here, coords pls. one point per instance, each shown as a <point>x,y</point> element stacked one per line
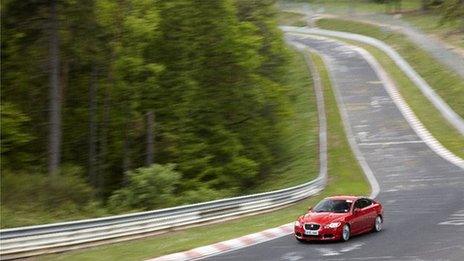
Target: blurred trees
<point>147,188</point>
<point>129,83</point>
<point>453,11</point>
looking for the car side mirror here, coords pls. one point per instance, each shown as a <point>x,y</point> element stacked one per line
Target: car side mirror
<point>356,210</point>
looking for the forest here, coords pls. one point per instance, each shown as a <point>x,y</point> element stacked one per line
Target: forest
<point>116,106</point>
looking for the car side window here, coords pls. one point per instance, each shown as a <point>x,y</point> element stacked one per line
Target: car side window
<point>358,204</point>
<point>368,202</point>
<point>362,203</point>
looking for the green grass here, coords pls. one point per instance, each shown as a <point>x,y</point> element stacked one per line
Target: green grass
<point>431,23</point>
<point>27,199</point>
<point>291,18</point>
<point>345,177</point>
<point>447,84</point>
<point>358,6</point>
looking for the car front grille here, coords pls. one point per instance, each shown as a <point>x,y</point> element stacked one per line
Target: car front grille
<point>312,226</point>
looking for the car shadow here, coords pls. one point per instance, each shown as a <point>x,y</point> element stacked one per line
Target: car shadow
<point>352,239</point>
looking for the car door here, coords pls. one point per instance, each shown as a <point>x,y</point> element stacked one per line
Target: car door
<point>372,213</point>
<point>357,222</point>
<point>369,213</point>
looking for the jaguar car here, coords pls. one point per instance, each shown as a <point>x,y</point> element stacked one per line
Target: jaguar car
<point>338,218</point>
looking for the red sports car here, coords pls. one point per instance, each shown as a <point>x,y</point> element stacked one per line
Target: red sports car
<point>338,218</point>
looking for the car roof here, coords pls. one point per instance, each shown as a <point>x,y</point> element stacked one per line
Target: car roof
<point>344,197</point>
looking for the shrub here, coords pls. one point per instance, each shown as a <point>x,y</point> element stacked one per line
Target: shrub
<point>29,199</point>
<point>148,188</point>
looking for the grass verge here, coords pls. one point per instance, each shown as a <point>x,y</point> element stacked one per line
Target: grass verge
<point>345,177</point>
<point>350,6</point>
<point>448,85</point>
<point>431,23</point>
<point>291,18</point>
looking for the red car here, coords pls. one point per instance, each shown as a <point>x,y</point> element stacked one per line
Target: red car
<point>339,218</point>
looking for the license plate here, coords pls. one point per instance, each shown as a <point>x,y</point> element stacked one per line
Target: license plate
<point>311,232</point>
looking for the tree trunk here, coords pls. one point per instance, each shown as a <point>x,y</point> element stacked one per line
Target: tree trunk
<point>149,149</point>
<point>93,126</point>
<point>103,156</point>
<point>425,5</point>
<point>54,142</point>
<point>126,152</point>
<point>399,6</point>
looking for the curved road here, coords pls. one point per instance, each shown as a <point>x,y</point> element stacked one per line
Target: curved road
<point>423,194</point>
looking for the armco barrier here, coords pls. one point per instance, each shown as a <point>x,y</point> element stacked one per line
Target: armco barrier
<point>35,240</point>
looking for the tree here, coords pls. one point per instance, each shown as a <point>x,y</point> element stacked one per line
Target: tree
<point>98,71</point>
<point>149,149</point>
<point>14,136</point>
<point>453,11</point>
<point>93,126</point>
<point>54,143</point>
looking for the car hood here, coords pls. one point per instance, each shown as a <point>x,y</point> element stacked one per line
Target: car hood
<point>322,218</point>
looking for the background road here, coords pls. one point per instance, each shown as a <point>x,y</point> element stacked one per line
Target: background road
<point>423,194</point>
<point>451,57</point>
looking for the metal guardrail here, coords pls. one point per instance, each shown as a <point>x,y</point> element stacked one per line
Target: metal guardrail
<point>36,240</point>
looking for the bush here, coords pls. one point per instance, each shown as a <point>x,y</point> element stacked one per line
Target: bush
<point>203,193</point>
<point>14,135</point>
<point>29,199</point>
<point>148,188</point>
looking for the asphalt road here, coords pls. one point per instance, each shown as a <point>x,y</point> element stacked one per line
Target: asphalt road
<point>450,56</point>
<point>422,193</point>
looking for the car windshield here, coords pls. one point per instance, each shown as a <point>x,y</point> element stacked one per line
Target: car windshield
<point>333,205</point>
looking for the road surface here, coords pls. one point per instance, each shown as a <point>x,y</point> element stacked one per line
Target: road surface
<point>423,194</point>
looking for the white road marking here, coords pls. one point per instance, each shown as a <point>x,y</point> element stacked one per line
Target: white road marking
<point>456,219</point>
<point>351,248</point>
<point>365,258</point>
<point>328,252</point>
<point>332,252</point>
<point>374,82</point>
<point>292,256</point>
<point>362,135</point>
<point>389,143</point>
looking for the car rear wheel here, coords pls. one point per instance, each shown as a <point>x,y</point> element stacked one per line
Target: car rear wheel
<point>346,232</point>
<point>378,224</point>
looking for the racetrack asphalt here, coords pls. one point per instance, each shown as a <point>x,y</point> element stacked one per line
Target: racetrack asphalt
<point>422,193</point>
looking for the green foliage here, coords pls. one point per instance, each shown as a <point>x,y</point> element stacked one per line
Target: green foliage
<point>214,74</point>
<point>14,135</point>
<point>453,11</point>
<point>33,198</point>
<point>147,188</point>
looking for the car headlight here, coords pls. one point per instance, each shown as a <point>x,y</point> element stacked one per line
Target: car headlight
<point>297,224</point>
<point>333,225</point>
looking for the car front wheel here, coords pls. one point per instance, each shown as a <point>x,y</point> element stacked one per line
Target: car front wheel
<point>346,232</point>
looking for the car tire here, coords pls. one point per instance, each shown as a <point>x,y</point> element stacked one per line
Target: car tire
<point>346,233</point>
<point>378,224</point>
